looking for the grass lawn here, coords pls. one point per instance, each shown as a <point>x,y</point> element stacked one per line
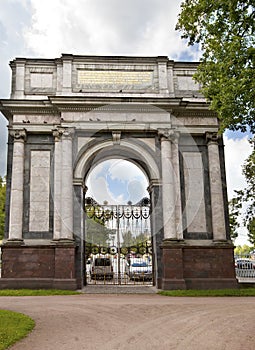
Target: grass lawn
<point>13,327</point>
<point>35,292</point>
<point>247,292</point>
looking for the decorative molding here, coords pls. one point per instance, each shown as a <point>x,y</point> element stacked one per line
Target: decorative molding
<point>212,138</point>
<point>68,133</point>
<point>18,135</point>
<point>57,134</point>
<point>116,135</point>
<point>169,134</point>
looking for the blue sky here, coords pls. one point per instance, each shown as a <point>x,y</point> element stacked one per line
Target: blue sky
<point>48,28</point>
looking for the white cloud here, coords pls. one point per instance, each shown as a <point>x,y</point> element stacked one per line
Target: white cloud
<point>236,151</point>
<point>129,179</point>
<point>123,170</point>
<point>145,27</point>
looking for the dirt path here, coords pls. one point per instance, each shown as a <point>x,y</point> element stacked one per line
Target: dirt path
<point>136,322</point>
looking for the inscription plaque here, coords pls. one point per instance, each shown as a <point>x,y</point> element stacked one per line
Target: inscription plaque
<point>115,78</point>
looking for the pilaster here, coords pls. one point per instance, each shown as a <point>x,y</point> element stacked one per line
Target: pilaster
<point>67,74</point>
<point>162,74</point>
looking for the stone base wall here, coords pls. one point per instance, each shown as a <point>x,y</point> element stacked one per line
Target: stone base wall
<point>198,267</point>
<point>46,266</point>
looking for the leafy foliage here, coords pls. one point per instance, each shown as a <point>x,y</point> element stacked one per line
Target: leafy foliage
<point>246,197</point>
<point>225,30</point>
<point>96,230</point>
<point>234,207</point>
<point>243,250</point>
<point>97,233</point>
<point>131,240</point>
<point>2,206</point>
<point>251,231</point>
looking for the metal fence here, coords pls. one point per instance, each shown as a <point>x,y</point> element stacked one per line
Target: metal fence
<point>245,266</point>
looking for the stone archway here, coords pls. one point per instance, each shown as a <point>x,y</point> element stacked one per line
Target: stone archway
<point>138,153</point>
<point>67,114</point>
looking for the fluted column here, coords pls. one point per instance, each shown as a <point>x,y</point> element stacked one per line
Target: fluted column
<point>16,203</point>
<point>217,203</point>
<point>67,186</point>
<point>168,184</point>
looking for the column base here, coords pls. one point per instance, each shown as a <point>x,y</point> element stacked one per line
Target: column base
<point>193,266</point>
<point>173,284</point>
<point>37,266</point>
<point>63,241</point>
<point>38,283</point>
<point>14,242</point>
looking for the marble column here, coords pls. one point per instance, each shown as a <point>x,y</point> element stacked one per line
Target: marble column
<point>67,187</point>
<point>57,133</point>
<point>16,203</point>
<point>217,203</point>
<point>157,232</point>
<point>178,204</point>
<point>168,184</point>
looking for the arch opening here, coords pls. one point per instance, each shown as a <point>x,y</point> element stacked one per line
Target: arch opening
<point>118,240</point>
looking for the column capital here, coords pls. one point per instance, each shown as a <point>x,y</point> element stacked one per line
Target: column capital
<point>212,138</point>
<point>154,183</point>
<point>168,135</point>
<point>68,133</point>
<point>57,133</point>
<point>18,134</point>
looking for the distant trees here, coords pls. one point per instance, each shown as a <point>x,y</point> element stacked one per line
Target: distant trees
<point>243,250</point>
<point>97,233</point>
<point>131,240</point>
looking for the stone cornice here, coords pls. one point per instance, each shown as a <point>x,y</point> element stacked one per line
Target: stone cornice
<point>10,107</point>
<point>136,104</point>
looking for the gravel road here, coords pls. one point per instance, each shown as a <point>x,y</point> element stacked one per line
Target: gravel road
<point>149,321</point>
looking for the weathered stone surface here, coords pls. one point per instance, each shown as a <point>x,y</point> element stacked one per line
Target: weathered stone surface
<point>70,113</point>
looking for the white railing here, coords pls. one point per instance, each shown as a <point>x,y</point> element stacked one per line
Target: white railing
<point>245,266</point>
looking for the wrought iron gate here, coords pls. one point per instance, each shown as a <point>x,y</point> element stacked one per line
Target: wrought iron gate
<point>118,243</point>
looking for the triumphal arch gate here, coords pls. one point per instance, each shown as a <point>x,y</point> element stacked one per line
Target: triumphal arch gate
<point>69,114</point>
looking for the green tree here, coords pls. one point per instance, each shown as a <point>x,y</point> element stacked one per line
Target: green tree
<point>128,239</point>
<point>97,233</point>
<point>245,199</point>
<point>2,206</point>
<point>243,250</point>
<point>225,30</point>
<point>234,207</point>
<point>96,225</point>
<point>251,231</point>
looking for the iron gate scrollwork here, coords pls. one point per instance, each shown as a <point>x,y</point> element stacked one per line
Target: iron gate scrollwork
<point>118,243</point>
